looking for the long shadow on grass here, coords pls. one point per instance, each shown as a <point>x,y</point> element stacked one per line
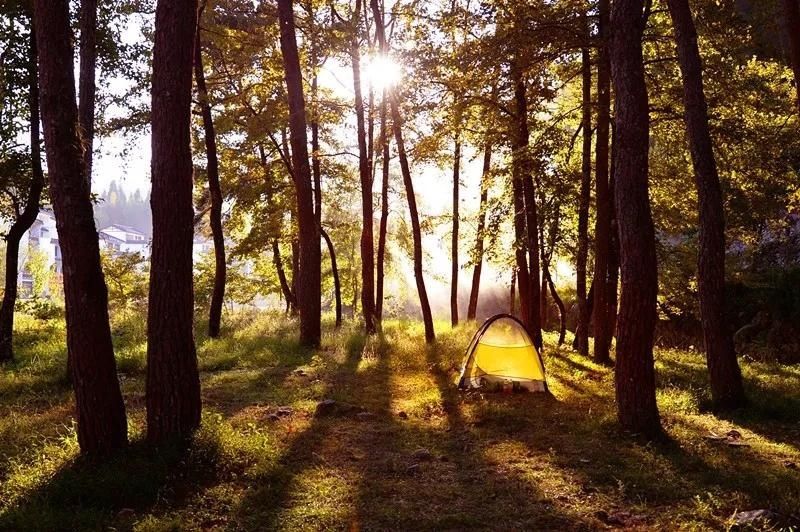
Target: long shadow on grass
<point>770,413</point>
<point>262,506</point>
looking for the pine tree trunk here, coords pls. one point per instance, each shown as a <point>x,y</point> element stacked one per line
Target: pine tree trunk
<point>86,81</point>
<point>454,239</point>
<point>212,170</point>
<point>337,288</point>
<point>472,309</point>
<point>528,277</point>
<point>26,218</point>
<point>384,223</point>
<point>308,286</point>
<point>173,382</point>
<point>726,378</point>
<point>416,231</point>
<point>582,326</point>
<point>102,425</point>
<point>285,289</point>
<point>602,227</point>
<point>791,9</point>
<point>365,173</point>
<point>634,372</point>
<point>513,296</point>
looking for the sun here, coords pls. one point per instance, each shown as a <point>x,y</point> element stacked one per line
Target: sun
<point>382,72</point>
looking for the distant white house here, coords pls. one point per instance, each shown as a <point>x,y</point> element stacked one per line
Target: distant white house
<point>124,239</point>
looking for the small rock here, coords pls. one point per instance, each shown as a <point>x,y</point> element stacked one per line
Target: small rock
<point>751,516</point>
<point>365,416</point>
<point>402,415</point>
<point>413,469</point>
<point>422,455</point>
<point>325,407</point>
<point>273,417</point>
<point>584,460</point>
<point>284,411</point>
<point>300,373</point>
<point>789,464</point>
<point>734,434</point>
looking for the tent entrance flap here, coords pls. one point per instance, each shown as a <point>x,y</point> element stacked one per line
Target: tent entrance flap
<point>502,352</point>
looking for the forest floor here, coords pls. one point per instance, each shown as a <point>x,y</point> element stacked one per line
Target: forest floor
<point>400,449</point>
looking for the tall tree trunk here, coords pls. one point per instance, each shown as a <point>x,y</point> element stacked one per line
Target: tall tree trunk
<point>86,81</point>
<point>212,170</point>
<point>613,254</point>
<point>726,378</point>
<point>397,126</point>
<point>791,9</point>
<point>582,326</point>
<point>512,296</point>
<point>173,382</point>
<point>337,289</point>
<point>562,311</point>
<point>528,276</point>
<point>635,375</point>
<point>308,287</point>
<point>365,173</point>
<point>454,240</point>
<point>26,218</point>
<point>102,425</point>
<point>602,227</point>
<point>384,143</point>
<point>472,309</point>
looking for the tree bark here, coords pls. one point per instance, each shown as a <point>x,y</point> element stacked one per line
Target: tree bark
<point>365,173</point>
<point>397,126</point>
<point>527,274</point>
<point>454,240</point>
<point>384,223</point>
<point>602,227</point>
<point>26,218</point>
<point>634,372</point>
<point>212,170</point>
<point>582,326</point>
<point>308,287</point>
<point>337,289</point>
<point>791,10</point>
<point>102,425</point>
<point>173,383</point>
<point>726,378</point>
<point>472,309</point>
<point>513,296</point>
<point>285,288</point>
<point>86,82</point>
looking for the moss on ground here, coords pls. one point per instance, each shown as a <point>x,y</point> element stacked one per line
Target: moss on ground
<point>417,454</point>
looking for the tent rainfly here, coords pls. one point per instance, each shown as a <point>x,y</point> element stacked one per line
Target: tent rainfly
<point>501,356</point>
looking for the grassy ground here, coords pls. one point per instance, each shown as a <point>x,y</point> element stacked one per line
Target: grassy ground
<point>420,455</point>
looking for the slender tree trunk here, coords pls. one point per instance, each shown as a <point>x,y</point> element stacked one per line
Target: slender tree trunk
<point>582,326</point>
<point>384,223</point>
<point>285,289</point>
<point>212,170</point>
<point>365,173</point>
<point>86,81</point>
<point>602,227</point>
<point>102,425</point>
<point>521,269</point>
<point>791,9</point>
<point>613,254</point>
<point>562,311</point>
<point>397,126</point>
<point>635,375</point>
<point>726,378</point>
<point>513,296</point>
<point>472,309</point>
<point>454,240</point>
<point>26,218</point>
<point>308,287</point>
<point>173,382</point>
<point>528,277</point>
<point>337,288</point>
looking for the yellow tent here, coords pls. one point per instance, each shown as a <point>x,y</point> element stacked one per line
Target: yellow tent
<point>502,356</point>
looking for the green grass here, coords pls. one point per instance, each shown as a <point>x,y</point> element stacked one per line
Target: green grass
<point>526,461</point>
